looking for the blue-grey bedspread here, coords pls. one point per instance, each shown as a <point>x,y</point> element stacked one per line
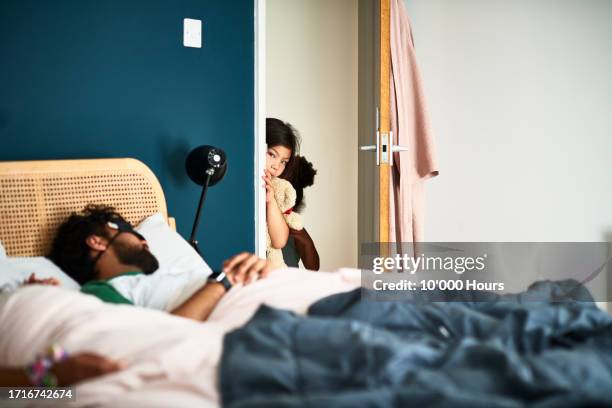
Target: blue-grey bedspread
<point>540,348</point>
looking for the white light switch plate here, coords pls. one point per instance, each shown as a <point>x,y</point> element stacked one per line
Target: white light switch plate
<point>192,33</point>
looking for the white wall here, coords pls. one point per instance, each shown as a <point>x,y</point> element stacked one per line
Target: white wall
<point>520,94</point>
<point>311,82</point>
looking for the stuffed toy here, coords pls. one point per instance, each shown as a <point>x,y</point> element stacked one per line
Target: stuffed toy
<point>285,196</point>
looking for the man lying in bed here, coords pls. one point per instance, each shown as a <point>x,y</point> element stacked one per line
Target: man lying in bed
<point>104,254</point>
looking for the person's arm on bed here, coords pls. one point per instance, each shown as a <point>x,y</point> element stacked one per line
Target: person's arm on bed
<point>242,268</point>
<point>14,377</point>
<point>201,304</point>
<point>72,370</point>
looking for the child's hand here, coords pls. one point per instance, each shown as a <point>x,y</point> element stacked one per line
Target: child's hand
<point>267,178</point>
<point>34,280</point>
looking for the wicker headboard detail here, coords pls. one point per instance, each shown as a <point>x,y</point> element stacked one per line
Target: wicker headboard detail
<point>36,196</point>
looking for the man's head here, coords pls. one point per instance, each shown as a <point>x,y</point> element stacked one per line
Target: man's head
<point>99,244</point>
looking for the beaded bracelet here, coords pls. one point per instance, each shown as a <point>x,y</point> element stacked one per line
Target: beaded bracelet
<point>39,371</point>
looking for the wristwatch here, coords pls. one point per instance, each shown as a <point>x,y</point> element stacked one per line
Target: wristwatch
<point>220,277</point>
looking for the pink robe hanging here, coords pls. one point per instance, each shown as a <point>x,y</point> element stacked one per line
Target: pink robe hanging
<point>411,128</point>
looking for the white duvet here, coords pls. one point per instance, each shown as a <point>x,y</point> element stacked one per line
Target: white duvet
<point>171,361</point>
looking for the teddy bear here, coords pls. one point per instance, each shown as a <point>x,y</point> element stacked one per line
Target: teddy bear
<point>285,196</point>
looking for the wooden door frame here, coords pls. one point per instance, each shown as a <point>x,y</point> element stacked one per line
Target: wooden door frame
<point>384,171</point>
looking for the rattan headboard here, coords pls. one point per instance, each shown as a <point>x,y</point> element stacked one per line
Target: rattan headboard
<point>36,196</point>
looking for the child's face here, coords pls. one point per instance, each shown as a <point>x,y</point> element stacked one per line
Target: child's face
<point>277,158</point>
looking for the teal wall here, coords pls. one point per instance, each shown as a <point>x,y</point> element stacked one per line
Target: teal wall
<point>111,78</point>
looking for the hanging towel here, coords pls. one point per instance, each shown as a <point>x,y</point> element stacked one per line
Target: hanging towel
<point>411,128</point>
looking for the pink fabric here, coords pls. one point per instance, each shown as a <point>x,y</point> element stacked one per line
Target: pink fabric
<point>170,361</point>
<point>411,127</point>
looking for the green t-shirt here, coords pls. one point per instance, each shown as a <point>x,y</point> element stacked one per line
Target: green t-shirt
<point>103,290</point>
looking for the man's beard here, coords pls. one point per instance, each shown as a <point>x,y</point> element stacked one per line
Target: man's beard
<point>140,257</point>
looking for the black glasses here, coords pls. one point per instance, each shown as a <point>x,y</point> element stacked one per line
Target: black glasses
<point>121,226</point>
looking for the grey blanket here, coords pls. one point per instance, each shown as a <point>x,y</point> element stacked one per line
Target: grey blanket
<point>547,347</point>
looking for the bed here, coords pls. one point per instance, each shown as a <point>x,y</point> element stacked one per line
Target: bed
<point>171,361</point>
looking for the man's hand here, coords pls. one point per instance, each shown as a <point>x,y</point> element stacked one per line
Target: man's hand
<point>47,281</point>
<point>245,268</point>
<point>81,367</point>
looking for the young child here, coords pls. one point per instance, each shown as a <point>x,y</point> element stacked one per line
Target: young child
<point>282,161</point>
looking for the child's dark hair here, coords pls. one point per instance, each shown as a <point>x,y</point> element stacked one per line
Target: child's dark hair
<point>300,173</point>
<point>279,133</point>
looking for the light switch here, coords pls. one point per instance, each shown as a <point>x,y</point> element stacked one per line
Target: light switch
<point>192,33</point>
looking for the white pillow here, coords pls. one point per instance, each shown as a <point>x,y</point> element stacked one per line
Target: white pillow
<point>13,271</point>
<point>174,254</point>
<point>171,250</point>
<point>2,252</point>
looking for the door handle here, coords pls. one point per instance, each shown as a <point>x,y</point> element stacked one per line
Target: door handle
<point>384,142</point>
<point>375,148</point>
<point>387,153</point>
<point>395,148</point>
